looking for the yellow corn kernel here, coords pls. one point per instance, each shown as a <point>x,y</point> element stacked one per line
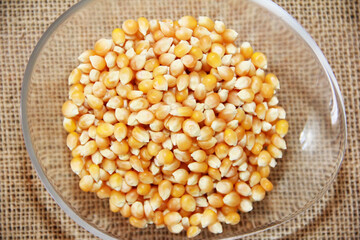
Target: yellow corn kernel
<point>131,178</point>
<point>266,184</point>
<point>162,45</point>
<point>153,148</point>
<point>206,133</point>
<point>183,33</point>
<point>69,109</point>
<point>229,35</point>
<point>247,122</point>
<point>160,83</point>
<point>115,181</point>
<point>224,186</point>
<point>182,112</point>
<point>122,61</point>
<point>158,35</point>
<point>228,114</point>
<point>182,82</point>
<point>181,95</point>
<point>282,127</point>
<point>216,200</point>
<point>165,156</point>
<point>145,86</point>
<point>230,137</point>
<point>140,134</point>
<point>246,95</point>
<point>196,52</point>
<point>89,148</point>
<point>166,59</point>
<point>183,142</point>
<point>246,50</point>
<point>273,80</point>
<point>137,62</point>
<point>232,199</point>
<point>130,26</point>
<point>94,102</point>
<point>200,90</point>
<point>154,96</point>
<point>103,46</point>
<point>274,151</point>
<point>209,82</point>
<point>151,64</point>
<point>278,141</point>
<point>120,131</point>
<point>97,62</point>
<point>208,217</point>
<point>84,57</point>
<point>206,184</point>
<point>181,49</point>
<point>198,167</point>
<point>164,189</point>
<point>120,148</point>
<point>178,190</point>
<point>69,124</point>
<point>143,189</point>
<point>86,183</point>
<point>221,150</point>
<point>133,143</point>
<point>94,171</point>
<point>167,28</point>
<point>76,87</point>
<point>260,111</point>
<point>212,100</point>
<point>126,74</point>
<point>174,204</point>
<point>105,130</point>
<point>145,117</point>
<point>77,164</point>
<point>193,231</point>
<point>242,68</point>
<point>205,43</point>
<point>256,84</point>
<point>104,192</point>
<point>198,116</point>
<point>74,77</point>
<point>267,90</point>
<point>214,173</point>
<point>258,193</point>
<point>259,60</point>
<point>144,25</point>
<point>191,128</point>
<point>72,140</point>
<point>137,222</point>
<point>225,73</point>
<point>213,59</point>
<point>256,148</point>
<point>118,36</point>
<point>206,22</point>
<point>188,22</point>
<point>188,203</point>
<point>232,218</point>
<point>146,177</point>
<point>236,59</point>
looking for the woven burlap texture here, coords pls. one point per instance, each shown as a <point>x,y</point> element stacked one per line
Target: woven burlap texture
<point>27,211</point>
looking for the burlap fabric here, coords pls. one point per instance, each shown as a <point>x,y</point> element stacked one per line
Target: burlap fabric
<point>28,211</point>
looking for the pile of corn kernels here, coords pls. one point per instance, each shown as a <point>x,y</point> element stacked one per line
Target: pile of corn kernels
<point>175,124</point>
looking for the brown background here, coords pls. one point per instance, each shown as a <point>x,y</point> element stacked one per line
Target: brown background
<point>28,212</point>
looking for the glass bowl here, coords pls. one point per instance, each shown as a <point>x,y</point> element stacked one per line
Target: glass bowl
<point>309,93</point>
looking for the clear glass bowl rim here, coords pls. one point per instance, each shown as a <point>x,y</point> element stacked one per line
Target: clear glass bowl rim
<point>267,4</point>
